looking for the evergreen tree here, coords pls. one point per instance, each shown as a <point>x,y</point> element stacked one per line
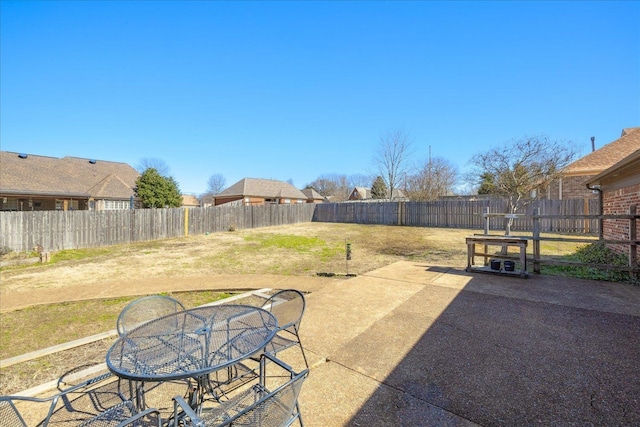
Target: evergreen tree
<point>487,184</point>
<point>379,189</point>
<point>157,191</point>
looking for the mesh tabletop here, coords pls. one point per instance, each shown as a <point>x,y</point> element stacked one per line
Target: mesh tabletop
<point>191,343</point>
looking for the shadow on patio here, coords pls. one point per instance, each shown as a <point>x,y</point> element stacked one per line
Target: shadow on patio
<point>413,345</point>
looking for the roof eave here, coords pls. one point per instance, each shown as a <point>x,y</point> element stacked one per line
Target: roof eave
<point>635,156</point>
<point>43,193</point>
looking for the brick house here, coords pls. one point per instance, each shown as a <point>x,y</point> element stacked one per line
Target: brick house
<point>31,182</point>
<point>620,186</point>
<point>572,185</point>
<point>360,193</point>
<point>313,196</point>
<point>255,191</point>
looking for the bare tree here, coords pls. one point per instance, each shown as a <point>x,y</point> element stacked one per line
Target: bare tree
<point>517,167</point>
<point>331,185</point>
<point>360,180</point>
<point>153,163</point>
<point>434,178</point>
<point>215,184</point>
<point>392,159</point>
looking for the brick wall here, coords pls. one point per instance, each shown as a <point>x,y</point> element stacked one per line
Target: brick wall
<point>573,187</point>
<point>618,202</point>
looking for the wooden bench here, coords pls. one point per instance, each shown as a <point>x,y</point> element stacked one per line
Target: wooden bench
<point>501,241</point>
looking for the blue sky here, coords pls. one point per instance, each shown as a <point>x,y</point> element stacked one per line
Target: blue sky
<point>296,90</point>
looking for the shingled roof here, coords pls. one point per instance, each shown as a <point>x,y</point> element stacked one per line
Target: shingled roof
<point>267,188</point>
<point>312,194</point>
<point>605,157</point>
<point>189,200</point>
<point>67,176</point>
<point>361,192</point>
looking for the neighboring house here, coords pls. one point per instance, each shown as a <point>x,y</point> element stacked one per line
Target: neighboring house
<point>189,201</point>
<point>30,182</point>
<point>207,200</point>
<point>572,184</point>
<point>313,196</point>
<point>620,186</point>
<point>255,191</point>
<point>360,193</point>
<point>364,193</point>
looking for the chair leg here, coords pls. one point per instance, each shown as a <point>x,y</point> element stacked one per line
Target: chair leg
<point>299,415</point>
<point>301,348</point>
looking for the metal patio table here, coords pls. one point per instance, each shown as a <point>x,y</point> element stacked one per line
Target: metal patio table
<point>191,344</point>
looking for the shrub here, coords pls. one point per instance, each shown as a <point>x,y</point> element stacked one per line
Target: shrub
<point>599,253</point>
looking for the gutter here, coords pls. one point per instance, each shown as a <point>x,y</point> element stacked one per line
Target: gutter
<point>601,208</point>
<point>624,164</point>
<point>42,193</point>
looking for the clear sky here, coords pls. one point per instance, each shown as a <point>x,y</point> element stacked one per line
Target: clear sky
<point>295,90</point>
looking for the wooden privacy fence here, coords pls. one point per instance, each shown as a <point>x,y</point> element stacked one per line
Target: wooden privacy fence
<point>464,214</point>
<point>57,230</point>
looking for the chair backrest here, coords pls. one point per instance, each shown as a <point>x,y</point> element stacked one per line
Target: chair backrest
<point>275,409</point>
<point>145,309</point>
<point>9,415</point>
<point>287,306</point>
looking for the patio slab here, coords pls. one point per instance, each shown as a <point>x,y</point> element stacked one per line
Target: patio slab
<point>413,344</point>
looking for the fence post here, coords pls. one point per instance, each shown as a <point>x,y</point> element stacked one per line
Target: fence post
<point>485,248</point>
<point>486,220</point>
<point>132,226</point>
<point>536,240</point>
<point>633,248</point>
<point>586,224</point>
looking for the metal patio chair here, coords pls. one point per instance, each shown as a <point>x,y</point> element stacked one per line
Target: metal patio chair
<point>94,402</point>
<point>288,307</point>
<point>145,309</point>
<point>272,401</point>
<point>138,312</point>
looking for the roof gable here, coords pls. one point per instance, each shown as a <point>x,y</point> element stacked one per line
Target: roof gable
<point>267,188</point>
<point>365,193</point>
<point>361,192</point>
<point>608,155</point>
<point>110,187</point>
<point>190,200</point>
<point>312,194</point>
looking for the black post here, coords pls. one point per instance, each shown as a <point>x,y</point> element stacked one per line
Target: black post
<point>536,240</point>
<point>633,248</point>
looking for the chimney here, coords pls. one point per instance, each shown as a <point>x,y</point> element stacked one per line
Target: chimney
<point>593,143</point>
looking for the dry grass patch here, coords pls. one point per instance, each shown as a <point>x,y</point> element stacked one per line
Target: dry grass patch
<point>301,249</point>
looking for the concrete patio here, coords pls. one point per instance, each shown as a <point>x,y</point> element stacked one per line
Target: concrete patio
<point>412,344</point>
